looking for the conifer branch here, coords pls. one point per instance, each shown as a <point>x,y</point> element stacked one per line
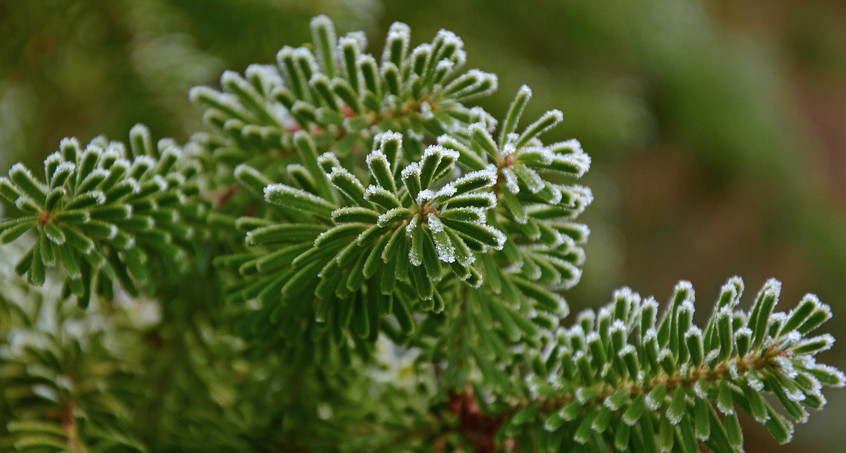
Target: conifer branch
<point>104,213</point>
<point>620,371</point>
<point>378,238</point>
<point>340,95</point>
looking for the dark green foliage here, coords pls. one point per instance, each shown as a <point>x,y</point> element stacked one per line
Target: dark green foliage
<point>354,258</point>
<point>105,213</point>
<point>685,380</point>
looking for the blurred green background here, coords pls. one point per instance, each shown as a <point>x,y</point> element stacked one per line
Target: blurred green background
<point>717,129</point>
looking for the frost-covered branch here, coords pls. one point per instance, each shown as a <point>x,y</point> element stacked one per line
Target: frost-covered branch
<point>355,258</point>
<point>342,95</point>
<point>104,213</point>
<point>623,377</point>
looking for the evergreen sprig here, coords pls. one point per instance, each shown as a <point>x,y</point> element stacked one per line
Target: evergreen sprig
<point>624,377</point>
<point>338,94</point>
<point>104,212</point>
<point>354,258</point>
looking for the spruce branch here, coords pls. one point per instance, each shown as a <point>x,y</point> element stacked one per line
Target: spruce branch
<point>105,213</point>
<point>341,96</point>
<point>620,377</point>
<point>388,263</point>
<point>419,225</point>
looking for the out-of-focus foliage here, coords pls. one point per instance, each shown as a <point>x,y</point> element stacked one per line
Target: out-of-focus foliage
<point>101,66</point>
<point>716,128</point>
